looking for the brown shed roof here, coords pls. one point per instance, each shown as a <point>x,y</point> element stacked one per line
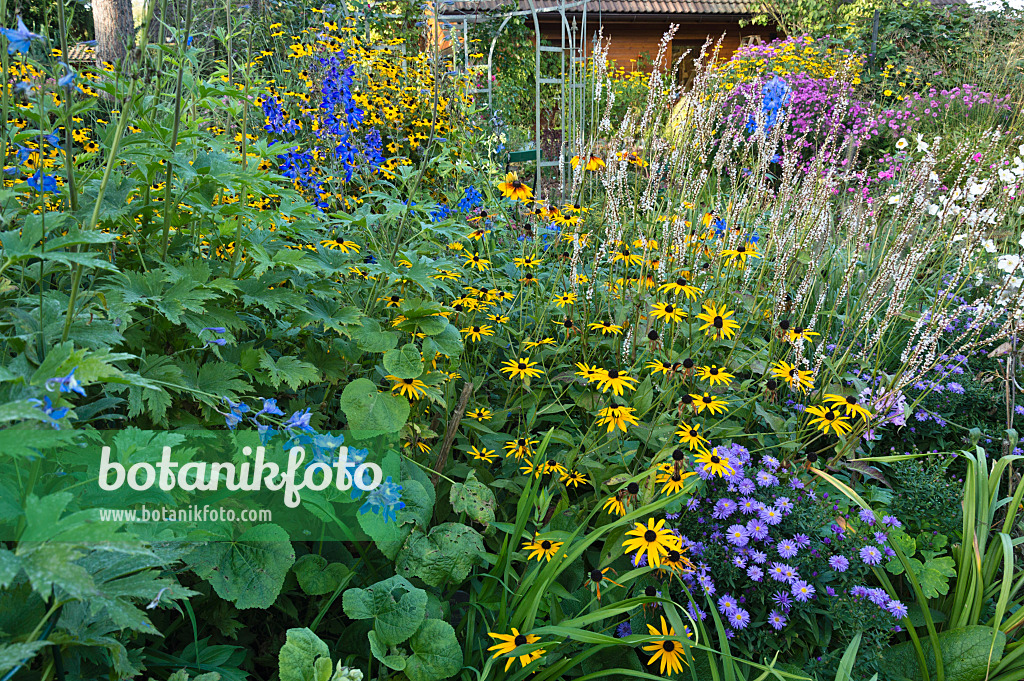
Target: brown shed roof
<point>633,7</point>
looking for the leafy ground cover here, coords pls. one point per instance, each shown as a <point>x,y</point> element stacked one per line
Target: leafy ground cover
<point>735,399</point>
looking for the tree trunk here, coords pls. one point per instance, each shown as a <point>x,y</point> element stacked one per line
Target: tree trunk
<point>115,28</point>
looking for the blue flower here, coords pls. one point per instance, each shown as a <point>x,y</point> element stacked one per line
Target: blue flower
<point>266,432</point>
<point>235,413</point>
<point>299,421</point>
<point>327,445</point>
<point>385,499</point>
<point>68,79</point>
<point>19,39</point>
<point>471,199</point>
<point>270,407</point>
<point>66,384</point>
<point>47,408</point>
<point>43,183</point>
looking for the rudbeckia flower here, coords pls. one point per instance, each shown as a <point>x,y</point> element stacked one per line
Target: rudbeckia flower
<point>667,312</point>
<point>574,479</point>
<point>521,368</point>
<point>655,540</point>
<point>672,480</point>
<point>710,402</point>
<point>483,454</point>
<point>509,642</point>
<point>513,188</point>
<point>597,578</point>
<point>714,375</point>
<point>545,549</point>
<point>606,327</point>
<point>795,378</point>
<point>718,322</point>
<point>799,332</point>
<point>413,388</point>
<point>563,299</point>
<point>849,404</point>
<point>828,419</point>
<point>616,417</point>
<point>476,260</point>
<point>691,437</point>
<point>740,254</point>
<point>670,654</point>
<point>520,448</point>
<point>593,163</point>
<point>614,505</point>
<point>714,463</point>
<point>475,333</point>
<point>615,380</point>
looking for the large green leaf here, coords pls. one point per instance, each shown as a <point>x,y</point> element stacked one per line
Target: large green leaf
<point>317,577</point>
<point>436,653</point>
<point>447,553</point>
<point>396,607</point>
<point>14,654</point>
<point>248,570</point>
<point>473,498</point>
<point>370,338</point>
<point>370,410</point>
<point>965,655</point>
<point>448,343</point>
<point>405,362</point>
<point>302,656</point>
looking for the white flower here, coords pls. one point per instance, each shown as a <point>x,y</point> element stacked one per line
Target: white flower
<point>1008,263</point>
<point>1007,176</point>
<point>922,146</point>
<point>978,188</point>
<point>894,199</point>
<point>1021,241</point>
<point>902,144</point>
<point>933,209</point>
<point>958,238</point>
<point>989,245</point>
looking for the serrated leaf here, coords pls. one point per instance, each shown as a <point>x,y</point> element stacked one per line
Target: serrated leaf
<point>15,654</point>
<point>290,370</point>
<point>448,343</point>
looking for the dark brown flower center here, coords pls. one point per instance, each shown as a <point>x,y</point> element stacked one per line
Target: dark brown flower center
<point>650,536</point>
<point>668,646</point>
<point>596,576</point>
<point>613,374</point>
<point>546,545</point>
<point>673,556</point>
<point>521,366</point>
<point>715,459</point>
<point>650,592</point>
<point>632,488</point>
<point>520,640</point>
<point>719,322</point>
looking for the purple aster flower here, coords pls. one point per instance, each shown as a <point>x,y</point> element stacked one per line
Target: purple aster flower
<point>695,612</point>
<point>796,483</point>
<point>739,618</point>
<point>739,561</point>
<point>867,516</point>
<point>781,599</point>
<point>770,461</point>
<point>830,592</point>
<point>727,605</point>
<point>786,549</point>
<point>757,529</point>
<point>802,591</point>
<point>878,597</point>
<point>859,591</point>
<point>776,619</point>
<point>889,551</point>
<point>755,573</point>
<point>737,535</point>
<point>692,503</point>
<point>839,563</point>
<point>891,521</point>
<point>766,479</point>
<point>871,555</point>
<point>770,515</point>
<point>896,609</point>
<point>723,509</point>
<point>880,538</point>
<point>790,574</point>
<point>778,572</point>
<point>623,630</point>
<point>759,557</point>
<point>784,504</point>
<point>801,540</point>
<point>749,506</point>
<point>745,486</point>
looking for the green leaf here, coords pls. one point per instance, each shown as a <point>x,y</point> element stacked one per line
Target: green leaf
<point>370,338</point>
<point>290,370</point>
<point>248,570</point>
<point>14,654</point>
<point>447,553</point>
<point>380,651</point>
<point>367,409</point>
<point>965,655</point>
<point>405,362</point>
<point>396,607</point>
<point>448,343</point>
<point>436,653</point>
<point>473,498</point>
<point>299,655</point>
<point>317,577</point>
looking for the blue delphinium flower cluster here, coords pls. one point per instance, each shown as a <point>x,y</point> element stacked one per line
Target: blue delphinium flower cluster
<point>385,499</point>
<point>341,115</point>
<point>775,95</point>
